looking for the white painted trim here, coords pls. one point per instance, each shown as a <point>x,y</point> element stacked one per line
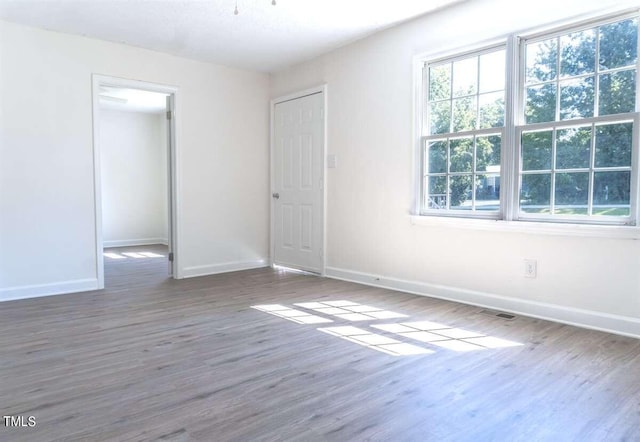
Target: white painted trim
<point>135,242</point>
<point>174,180</point>
<point>213,269</point>
<point>40,290</point>
<point>325,179</point>
<point>323,89</point>
<point>97,181</point>
<point>534,228</point>
<point>417,130</point>
<point>622,325</point>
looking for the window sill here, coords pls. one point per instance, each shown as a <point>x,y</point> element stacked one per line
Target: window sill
<point>538,228</point>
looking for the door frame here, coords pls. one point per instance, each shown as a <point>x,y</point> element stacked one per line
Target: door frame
<point>172,160</point>
<point>323,89</point>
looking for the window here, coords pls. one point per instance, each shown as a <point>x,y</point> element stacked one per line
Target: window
<point>577,138</point>
<point>562,134</point>
<point>466,125</point>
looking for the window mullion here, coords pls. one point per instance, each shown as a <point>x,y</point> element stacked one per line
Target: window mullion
<point>448,188</point>
<point>473,173</point>
<point>424,99</point>
<point>448,194</point>
<point>451,98</point>
<point>635,167</point>
<point>635,147</point>
<point>559,50</point>
<point>509,168</point>
<point>422,122</point>
<point>596,79</point>
<point>637,109</point>
<point>592,174</point>
<point>424,175</point>
<point>552,197</point>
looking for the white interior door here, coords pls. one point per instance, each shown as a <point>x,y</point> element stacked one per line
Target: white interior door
<point>298,173</point>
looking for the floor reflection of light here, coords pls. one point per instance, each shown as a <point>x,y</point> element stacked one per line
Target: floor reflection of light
<point>136,255</point>
<point>458,333</point>
<point>271,307</point>
<point>351,311</point>
<point>353,317</point>
<point>384,314</point>
<point>394,328</point>
<point>330,310</point>
<point>432,333</point>
<point>362,308</point>
<point>291,314</point>
<point>151,255</point>
<point>341,303</point>
<point>403,349</point>
<point>311,305</point>
<point>424,336</point>
<point>440,335</point>
<point>456,345</point>
<point>375,341</point>
<point>491,342</point>
<point>346,331</point>
<point>425,325</point>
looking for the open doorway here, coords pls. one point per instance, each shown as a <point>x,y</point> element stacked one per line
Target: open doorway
<point>134,151</point>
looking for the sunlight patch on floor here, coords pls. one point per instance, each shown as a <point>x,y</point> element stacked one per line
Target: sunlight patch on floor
<point>291,314</point>
<point>350,311</point>
<point>375,341</point>
<point>135,255</point>
<point>434,334</point>
<point>440,335</point>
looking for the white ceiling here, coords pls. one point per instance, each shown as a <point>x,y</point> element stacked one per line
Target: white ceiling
<point>261,37</point>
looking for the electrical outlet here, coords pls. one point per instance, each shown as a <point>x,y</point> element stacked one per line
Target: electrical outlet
<point>530,268</point>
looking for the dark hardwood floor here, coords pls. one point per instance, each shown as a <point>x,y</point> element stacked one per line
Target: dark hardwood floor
<point>150,358</point>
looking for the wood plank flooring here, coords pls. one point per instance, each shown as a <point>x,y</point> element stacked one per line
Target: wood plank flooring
<point>150,358</point>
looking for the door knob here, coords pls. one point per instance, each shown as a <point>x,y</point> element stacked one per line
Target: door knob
<point>276,195</point>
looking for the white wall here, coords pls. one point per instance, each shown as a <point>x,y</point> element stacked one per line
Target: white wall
<point>47,225</point>
<point>592,281</point>
<point>133,151</point>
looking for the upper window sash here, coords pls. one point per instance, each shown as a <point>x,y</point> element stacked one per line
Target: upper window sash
<point>456,87</point>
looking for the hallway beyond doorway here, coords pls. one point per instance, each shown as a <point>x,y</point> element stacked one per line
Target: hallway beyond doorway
<point>127,267</point>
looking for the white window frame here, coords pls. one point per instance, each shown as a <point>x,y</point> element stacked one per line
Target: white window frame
<point>425,138</point>
<point>510,170</point>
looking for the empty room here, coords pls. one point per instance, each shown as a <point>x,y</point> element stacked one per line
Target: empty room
<point>307,220</point>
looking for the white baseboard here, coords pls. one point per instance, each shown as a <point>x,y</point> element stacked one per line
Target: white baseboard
<point>58,288</point>
<point>622,325</point>
<point>135,242</point>
<point>191,272</point>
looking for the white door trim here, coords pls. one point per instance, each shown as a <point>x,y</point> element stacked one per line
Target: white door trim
<point>105,80</point>
<point>303,93</point>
